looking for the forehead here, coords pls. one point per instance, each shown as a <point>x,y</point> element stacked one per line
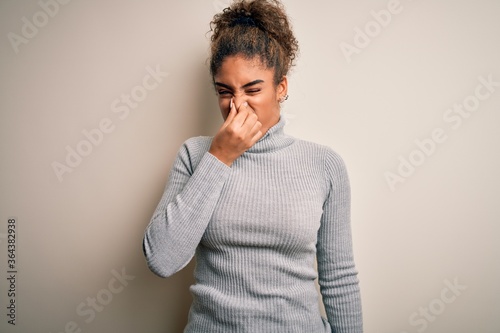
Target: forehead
<point>240,68</point>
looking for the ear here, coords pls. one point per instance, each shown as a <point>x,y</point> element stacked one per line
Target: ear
<point>282,88</point>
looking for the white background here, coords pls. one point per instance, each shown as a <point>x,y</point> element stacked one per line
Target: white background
<point>439,226</point>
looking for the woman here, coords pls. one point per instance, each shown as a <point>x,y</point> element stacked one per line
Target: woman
<point>254,205</point>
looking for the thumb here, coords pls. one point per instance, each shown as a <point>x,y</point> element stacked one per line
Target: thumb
<point>232,113</point>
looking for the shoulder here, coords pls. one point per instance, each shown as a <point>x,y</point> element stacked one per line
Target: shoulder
<point>327,155</point>
<point>331,163</point>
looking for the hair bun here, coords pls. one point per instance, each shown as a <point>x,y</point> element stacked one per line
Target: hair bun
<point>243,11</point>
<point>244,18</point>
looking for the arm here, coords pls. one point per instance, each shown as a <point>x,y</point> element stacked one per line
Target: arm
<point>183,213</point>
<point>192,192</point>
<point>336,270</point>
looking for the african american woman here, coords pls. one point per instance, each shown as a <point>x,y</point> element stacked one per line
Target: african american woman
<point>255,206</point>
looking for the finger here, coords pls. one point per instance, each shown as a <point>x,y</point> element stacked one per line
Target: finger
<point>244,107</point>
<point>251,118</point>
<point>257,137</point>
<point>232,113</point>
<point>249,108</point>
<point>251,115</point>
<point>242,114</point>
<point>256,127</point>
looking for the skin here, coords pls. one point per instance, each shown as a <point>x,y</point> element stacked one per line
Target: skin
<point>249,103</point>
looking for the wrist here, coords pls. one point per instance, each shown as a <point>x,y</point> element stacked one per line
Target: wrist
<point>224,158</point>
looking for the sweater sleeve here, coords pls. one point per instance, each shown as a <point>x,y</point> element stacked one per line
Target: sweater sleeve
<point>337,275</point>
<point>184,211</point>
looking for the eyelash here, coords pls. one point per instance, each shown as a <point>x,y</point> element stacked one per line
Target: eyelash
<point>253,91</point>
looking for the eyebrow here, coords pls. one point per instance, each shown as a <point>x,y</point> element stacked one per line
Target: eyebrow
<point>244,86</point>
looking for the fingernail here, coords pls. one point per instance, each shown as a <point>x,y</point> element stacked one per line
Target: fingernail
<point>231,104</point>
<point>245,104</point>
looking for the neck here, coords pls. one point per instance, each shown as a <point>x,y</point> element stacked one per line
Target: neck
<point>271,122</point>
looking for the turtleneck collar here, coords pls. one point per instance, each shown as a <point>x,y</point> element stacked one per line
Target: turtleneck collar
<point>274,139</point>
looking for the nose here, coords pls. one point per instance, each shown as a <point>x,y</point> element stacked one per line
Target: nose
<point>239,99</point>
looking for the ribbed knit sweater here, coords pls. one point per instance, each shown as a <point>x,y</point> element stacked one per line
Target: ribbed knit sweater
<point>256,228</point>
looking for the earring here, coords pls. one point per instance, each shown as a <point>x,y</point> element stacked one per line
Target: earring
<point>282,99</point>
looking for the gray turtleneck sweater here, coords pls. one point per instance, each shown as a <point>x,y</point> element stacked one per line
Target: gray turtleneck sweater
<point>256,228</point>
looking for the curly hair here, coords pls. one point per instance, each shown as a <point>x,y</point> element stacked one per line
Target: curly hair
<point>254,28</point>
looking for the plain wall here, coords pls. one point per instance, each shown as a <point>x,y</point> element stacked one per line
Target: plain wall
<point>426,247</point>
